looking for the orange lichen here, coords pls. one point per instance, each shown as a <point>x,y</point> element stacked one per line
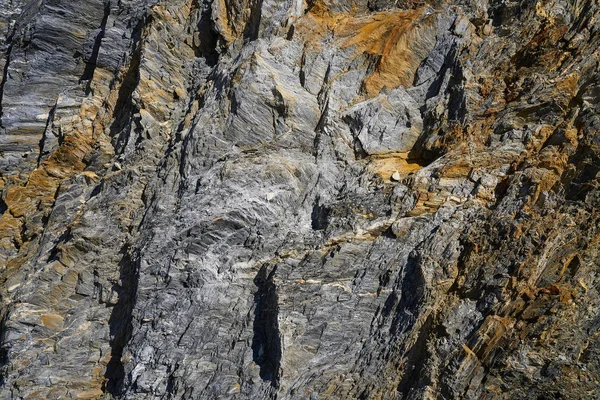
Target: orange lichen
<point>52,321</point>
<point>387,166</point>
<point>90,394</point>
<point>398,40</point>
<point>10,228</point>
<point>234,17</point>
<point>489,334</point>
<point>43,182</point>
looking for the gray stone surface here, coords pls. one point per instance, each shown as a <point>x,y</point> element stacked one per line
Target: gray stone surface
<point>299,200</point>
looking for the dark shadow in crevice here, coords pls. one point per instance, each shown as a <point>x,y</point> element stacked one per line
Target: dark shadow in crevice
<point>55,252</point>
<point>3,206</point>
<point>583,179</point>
<point>120,323</point>
<point>208,38</point>
<point>90,65</point>
<point>44,153</point>
<point>319,216</point>
<point>412,296</point>
<point>9,41</point>
<point>3,349</point>
<point>415,377</point>
<point>125,107</point>
<point>457,109</point>
<point>252,29</point>
<point>266,343</point>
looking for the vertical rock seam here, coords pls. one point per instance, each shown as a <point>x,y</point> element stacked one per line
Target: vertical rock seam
<point>299,199</point>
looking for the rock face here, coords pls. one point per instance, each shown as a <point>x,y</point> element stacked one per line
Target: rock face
<point>299,199</point>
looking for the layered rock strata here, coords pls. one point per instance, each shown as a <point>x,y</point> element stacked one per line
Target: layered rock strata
<point>299,199</point>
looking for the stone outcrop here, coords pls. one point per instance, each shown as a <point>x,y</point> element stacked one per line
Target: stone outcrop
<point>299,199</point>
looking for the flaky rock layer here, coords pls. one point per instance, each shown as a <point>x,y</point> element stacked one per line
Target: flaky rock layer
<point>291,199</point>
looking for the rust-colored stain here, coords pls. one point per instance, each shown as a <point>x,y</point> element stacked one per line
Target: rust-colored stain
<point>52,321</point>
<point>397,40</point>
<point>387,166</point>
<point>400,41</point>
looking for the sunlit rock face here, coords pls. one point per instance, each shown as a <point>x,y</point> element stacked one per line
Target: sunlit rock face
<point>293,199</point>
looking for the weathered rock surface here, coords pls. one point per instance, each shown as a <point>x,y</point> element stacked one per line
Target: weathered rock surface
<point>259,199</point>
